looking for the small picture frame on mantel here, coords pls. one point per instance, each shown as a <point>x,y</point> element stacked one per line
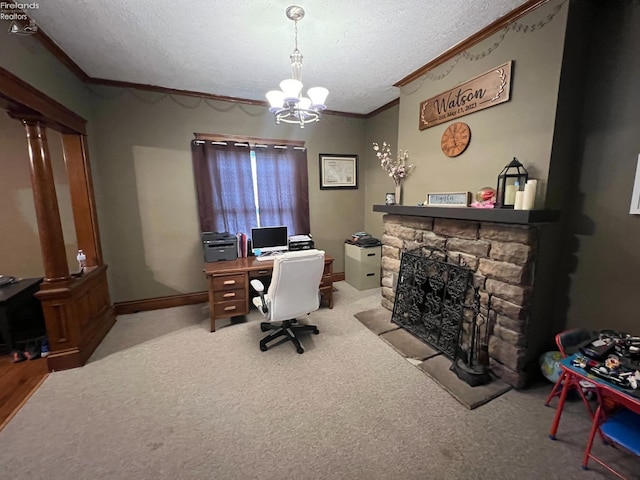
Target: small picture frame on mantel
<point>448,199</point>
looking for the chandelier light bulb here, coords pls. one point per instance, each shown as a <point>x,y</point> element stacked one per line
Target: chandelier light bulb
<point>276,100</point>
<point>291,89</point>
<point>318,95</point>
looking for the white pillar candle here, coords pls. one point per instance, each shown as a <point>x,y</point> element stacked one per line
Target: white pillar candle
<point>519,200</point>
<point>510,194</point>
<point>529,201</point>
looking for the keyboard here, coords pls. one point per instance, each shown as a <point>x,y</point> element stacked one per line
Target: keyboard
<point>268,256</point>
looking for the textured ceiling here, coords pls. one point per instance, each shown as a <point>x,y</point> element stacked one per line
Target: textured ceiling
<point>357,49</point>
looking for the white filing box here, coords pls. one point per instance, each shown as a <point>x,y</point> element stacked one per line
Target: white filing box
<point>362,266</point>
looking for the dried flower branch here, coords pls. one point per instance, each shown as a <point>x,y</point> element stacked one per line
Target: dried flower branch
<point>396,168</point>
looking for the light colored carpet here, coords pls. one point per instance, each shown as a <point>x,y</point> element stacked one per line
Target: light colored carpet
<point>163,398</point>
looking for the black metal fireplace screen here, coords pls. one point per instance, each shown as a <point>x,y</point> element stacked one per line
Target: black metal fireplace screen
<point>432,296</point>
<point>430,299</point>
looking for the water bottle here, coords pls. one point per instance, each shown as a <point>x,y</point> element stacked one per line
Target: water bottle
<point>82,260</point>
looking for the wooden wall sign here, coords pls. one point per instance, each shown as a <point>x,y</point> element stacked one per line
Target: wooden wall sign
<point>484,91</point>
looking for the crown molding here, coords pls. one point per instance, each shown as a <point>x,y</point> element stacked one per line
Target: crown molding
<point>23,99</point>
<point>173,91</point>
<point>384,107</point>
<point>486,32</point>
<point>57,52</point>
<point>208,96</point>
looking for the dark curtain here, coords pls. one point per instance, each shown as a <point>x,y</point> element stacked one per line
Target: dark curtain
<point>283,188</point>
<point>224,187</point>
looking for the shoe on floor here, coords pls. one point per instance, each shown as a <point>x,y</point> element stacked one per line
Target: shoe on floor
<point>44,348</point>
<point>32,351</point>
<point>17,356</point>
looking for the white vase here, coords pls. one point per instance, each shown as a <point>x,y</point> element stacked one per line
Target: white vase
<point>399,194</point>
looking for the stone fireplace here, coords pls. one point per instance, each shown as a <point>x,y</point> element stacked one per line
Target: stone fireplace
<point>502,249</point>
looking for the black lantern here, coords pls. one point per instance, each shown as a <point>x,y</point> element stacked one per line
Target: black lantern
<point>512,178</point>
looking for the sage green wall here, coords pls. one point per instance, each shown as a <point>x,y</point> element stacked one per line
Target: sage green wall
<point>142,157</point>
<point>380,128</point>
<point>521,127</point>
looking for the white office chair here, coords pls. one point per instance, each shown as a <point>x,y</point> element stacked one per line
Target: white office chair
<point>294,291</point>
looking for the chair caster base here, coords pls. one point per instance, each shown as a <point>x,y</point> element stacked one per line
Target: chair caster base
<point>316,331</point>
<point>300,350</point>
<point>263,348</point>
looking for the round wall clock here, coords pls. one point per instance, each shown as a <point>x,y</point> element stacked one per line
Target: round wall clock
<point>455,139</point>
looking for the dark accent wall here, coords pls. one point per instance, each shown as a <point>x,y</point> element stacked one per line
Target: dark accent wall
<point>601,256</point>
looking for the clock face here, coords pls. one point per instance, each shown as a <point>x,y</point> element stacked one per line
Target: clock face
<point>455,139</point>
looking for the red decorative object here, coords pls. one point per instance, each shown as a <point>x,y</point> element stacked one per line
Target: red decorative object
<point>485,198</point>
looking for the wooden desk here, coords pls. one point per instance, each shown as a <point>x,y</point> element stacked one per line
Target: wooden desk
<point>228,283</point>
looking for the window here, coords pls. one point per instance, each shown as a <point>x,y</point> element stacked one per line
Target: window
<point>245,184</point>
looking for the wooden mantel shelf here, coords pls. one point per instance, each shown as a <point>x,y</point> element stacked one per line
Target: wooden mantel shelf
<point>496,215</point>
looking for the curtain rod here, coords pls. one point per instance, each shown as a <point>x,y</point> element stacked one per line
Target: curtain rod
<point>244,144</point>
<point>246,139</point>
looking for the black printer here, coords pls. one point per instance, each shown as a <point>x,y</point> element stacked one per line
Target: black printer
<point>219,246</point>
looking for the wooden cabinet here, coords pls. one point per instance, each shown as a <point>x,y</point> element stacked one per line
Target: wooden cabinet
<point>228,295</point>
<point>326,285</point>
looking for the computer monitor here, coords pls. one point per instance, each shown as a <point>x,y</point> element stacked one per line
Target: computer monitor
<point>269,239</point>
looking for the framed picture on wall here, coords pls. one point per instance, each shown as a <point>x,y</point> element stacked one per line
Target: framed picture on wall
<point>338,171</point>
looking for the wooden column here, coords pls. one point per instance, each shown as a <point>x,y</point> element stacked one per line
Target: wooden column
<point>76,159</point>
<point>46,203</point>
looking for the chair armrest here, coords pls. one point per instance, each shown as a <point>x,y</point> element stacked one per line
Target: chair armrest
<point>257,285</point>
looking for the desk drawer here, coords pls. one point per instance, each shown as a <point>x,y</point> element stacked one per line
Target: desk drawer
<point>230,309</point>
<point>229,295</point>
<point>368,256</point>
<point>228,282</point>
<point>260,273</point>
